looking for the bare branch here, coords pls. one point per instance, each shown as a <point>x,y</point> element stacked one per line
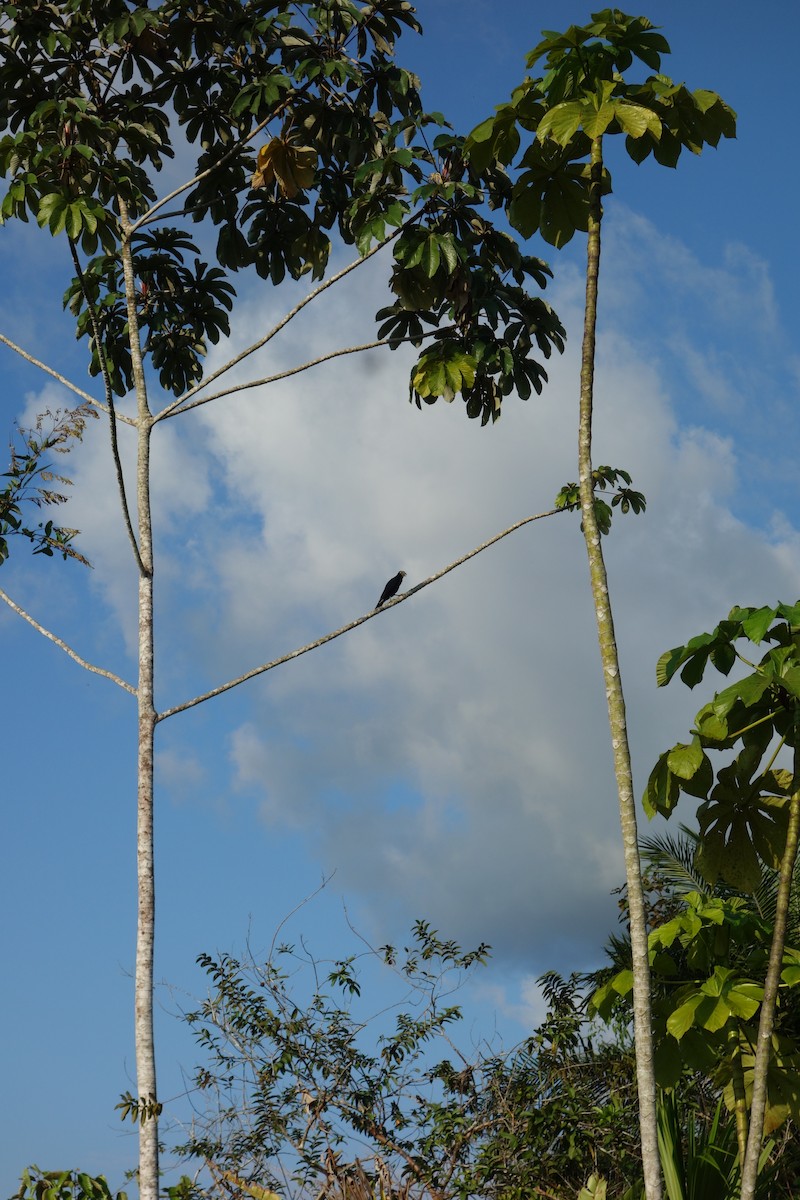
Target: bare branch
<point>284,321</point>
<point>67,649</point>
<point>112,412</point>
<point>329,637</point>
<point>314,362</point>
<point>72,387</point>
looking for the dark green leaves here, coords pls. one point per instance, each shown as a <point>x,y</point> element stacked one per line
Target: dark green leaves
<point>180,309</point>
<point>298,125</point>
<point>624,497</point>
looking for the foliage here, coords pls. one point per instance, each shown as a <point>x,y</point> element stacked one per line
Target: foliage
<point>96,98</point>
<point>561,1108</point>
<point>713,960</point>
<point>744,808</point>
<point>694,1077</point>
<point>584,95</point>
<point>130,1106</point>
<point>310,1086</point>
<point>706,1165</point>
<point>294,1083</point>
<point>64,1185</point>
<point>624,496</point>
<point>28,477</point>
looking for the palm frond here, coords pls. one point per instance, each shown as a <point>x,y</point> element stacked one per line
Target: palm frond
<point>673,859</point>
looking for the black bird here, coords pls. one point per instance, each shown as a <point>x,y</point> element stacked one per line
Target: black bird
<point>391,589</point>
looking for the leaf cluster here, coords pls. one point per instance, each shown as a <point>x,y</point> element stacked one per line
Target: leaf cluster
<point>710,955</point>
<point>180,308</point>
<point>64,1185</point>
<point>454,266</point>
<point>300,1079</point>
<point>582,96</point>
<point>141,1109</point>
<point>300,125</point>
<point>28,481</point>
<point>624,496</point>
<point>744,806</point>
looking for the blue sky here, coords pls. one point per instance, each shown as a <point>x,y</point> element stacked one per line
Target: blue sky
<point>448,760</point>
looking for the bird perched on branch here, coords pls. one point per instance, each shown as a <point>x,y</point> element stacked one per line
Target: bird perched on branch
<point>391,589</point>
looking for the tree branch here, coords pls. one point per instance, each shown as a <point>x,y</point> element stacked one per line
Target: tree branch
<point>276,329</point>
<point>314,362</point>
<point>112,412</point>
<point>72,387</point>
<point>149,216</point>
<point>329,637</point>
<point>67,649</point>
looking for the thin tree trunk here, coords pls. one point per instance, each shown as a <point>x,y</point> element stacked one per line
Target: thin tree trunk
<point>645,1076</point>
<point>145,929</point>
<point>739,1093</point>
<point>758,1103</point>
<point>145,868</point>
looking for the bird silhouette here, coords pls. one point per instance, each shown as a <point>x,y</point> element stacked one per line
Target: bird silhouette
<point>391,589</point>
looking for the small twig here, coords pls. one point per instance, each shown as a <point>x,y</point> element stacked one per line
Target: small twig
<point>284,321</point>
<point>73,387</point>
<point>329,637</point>
<point>67,649</point>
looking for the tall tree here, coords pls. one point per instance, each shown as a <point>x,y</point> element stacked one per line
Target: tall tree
<point>584,97</point>
<point>302,131</point>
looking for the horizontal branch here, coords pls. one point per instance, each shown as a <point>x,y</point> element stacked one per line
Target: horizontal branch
<point>72,387</point>
<point>329,637</point>
<point>67,649</point>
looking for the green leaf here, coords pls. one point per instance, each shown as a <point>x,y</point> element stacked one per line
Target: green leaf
<point>709,855</point>
<point>701,782</point>
<point>562,122</point>
<point>683,1017</point>
<point>749,690</point>
<point>757,624</point>
<point>623,983</point>
<point>739,864</point>
<point>744,999</point>
<point>597,120</point>
<point>685,760</point>
<point>662,791</point>
<point>711,726</point>
<point>635,120</point>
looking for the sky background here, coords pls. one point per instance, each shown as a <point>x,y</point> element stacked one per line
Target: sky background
<point>448,760</point>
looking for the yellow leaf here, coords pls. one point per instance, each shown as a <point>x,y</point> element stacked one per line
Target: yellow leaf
<point>291,166</point>
<point>252,1189</point>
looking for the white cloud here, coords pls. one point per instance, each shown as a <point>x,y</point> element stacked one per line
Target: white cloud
<point>450,759</point>
<point>521,1002</point>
